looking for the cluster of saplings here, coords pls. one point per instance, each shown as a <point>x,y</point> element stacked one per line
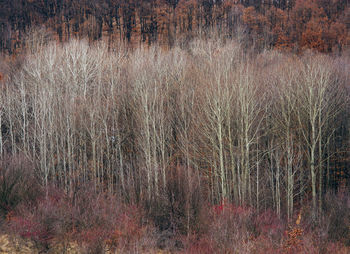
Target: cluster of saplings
<point>192,148</point>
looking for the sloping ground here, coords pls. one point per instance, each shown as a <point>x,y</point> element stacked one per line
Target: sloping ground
<point>11,245</point>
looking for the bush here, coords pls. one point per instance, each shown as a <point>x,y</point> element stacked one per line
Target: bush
<point>18,183</point>
<point>231,226</point>
<point>336,217</point>
<point>236,229</point>
<point>96,221</point>
<point>180,209</point>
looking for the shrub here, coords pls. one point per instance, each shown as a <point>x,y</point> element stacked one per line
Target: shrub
<point>18,183</point>
<point>179,210</point>
<point>95,221</point>
<point>336,217</point>
<point>268,224</point>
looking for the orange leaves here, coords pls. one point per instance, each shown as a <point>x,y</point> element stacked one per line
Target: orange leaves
<point>294,237</point>
<point>277,21</point>
<point>299,219</point>
<point>312,37</point>
<point>312,26</point>
<point>338,35</point>
<point>322,34</point>
<point>231,3</point>
<point>316,24</point>
<point>294,241</point>
<point>255,21</point>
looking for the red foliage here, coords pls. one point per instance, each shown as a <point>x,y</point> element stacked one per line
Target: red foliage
<point>227,208</point>
<point>202,245</point>
<point>92,220</point>
<point>31,229</point>
<point>268,224</point>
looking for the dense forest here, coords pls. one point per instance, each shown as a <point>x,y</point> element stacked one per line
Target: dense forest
<point>291,25</point>
<point>175,126</point>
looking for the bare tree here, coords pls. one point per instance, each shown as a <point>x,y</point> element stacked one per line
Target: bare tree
<point>316,97</point>
<point>243,126</point>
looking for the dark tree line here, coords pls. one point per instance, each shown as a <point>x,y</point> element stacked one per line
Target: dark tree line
<point>284,24</point>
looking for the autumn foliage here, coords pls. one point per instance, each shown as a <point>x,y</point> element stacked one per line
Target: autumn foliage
<point>292,25</point>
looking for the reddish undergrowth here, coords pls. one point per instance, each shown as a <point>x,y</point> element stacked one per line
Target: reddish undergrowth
<point>179,221</point>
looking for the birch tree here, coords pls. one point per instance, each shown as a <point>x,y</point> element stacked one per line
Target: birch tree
<point>316,105</point>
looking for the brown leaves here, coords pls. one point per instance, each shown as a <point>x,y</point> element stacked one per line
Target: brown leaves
<point>294,240</point>
<point>319,25</point>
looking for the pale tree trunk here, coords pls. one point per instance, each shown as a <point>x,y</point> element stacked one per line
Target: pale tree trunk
<point>257,175</point>
<point>290,177</point>
<point>2,111</point>
<point>11,117</point>
<point>234,180</point>
<point>250,115</point>
<point>278,188</point>
<point>320,163</point>
<point>318,103</point>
